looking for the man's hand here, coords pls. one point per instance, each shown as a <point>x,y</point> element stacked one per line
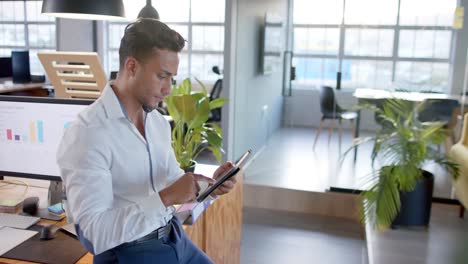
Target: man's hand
<point>184,190</point>
<point>227,185</point>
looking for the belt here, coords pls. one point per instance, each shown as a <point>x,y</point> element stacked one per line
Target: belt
<point>159,233</point>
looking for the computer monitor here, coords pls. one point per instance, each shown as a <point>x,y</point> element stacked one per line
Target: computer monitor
<point>5,67</point>
<point>30,132</point>
<point>20,66</point>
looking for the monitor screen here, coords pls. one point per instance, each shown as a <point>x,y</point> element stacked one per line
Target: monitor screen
<point>30,132</point>
<point>5,67</point>
<point>20,66</point>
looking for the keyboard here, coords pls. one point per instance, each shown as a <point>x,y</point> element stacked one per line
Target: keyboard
<point>17,221</point>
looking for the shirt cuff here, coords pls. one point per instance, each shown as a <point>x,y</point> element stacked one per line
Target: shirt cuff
<point>154,208</point>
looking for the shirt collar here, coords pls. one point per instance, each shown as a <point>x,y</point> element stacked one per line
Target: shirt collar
<point>111,102</point>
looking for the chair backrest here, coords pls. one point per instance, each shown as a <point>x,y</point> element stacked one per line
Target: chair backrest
<point>215,114</point>
<point>217,88</point>
<point>328,105</point>
<point>74,74</point>
<point>438,110</point>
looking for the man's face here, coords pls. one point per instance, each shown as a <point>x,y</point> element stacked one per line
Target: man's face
<point>153,79</point>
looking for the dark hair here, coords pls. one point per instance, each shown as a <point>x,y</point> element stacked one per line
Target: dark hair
<point>143,36</point>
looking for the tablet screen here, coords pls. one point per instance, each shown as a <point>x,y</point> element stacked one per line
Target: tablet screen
<point>237,166</point>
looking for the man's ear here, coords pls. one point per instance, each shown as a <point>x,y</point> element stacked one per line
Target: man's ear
<point>131,65</point>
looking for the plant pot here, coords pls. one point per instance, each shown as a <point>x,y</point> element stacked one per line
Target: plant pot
<point>191,168</point>
<point>416,205</point>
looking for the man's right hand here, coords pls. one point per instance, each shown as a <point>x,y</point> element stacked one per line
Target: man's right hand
<point>184,190</point>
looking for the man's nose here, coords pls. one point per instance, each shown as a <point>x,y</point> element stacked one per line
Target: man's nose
<point>166,89</point>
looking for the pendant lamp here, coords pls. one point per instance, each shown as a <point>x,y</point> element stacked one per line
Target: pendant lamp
<point>85,9</point>
<point>148,11</point>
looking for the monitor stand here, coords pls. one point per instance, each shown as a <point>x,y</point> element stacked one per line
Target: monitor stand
<point>55,192</point>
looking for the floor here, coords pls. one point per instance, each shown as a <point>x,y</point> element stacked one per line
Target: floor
<point>273,237</point>
<point>290,161</point>
<point>445,241</point>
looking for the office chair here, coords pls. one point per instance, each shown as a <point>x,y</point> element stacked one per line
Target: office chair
<point>332,111</point>
<point>74,74</point>
<point>215,114</point>
<point>442,110</point>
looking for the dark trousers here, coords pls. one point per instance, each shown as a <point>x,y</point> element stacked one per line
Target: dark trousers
<point>174,248</point>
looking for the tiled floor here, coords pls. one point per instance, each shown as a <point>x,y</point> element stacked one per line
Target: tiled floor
<point>272,237</point>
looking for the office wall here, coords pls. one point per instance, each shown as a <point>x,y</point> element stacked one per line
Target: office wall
<point>258,104</point>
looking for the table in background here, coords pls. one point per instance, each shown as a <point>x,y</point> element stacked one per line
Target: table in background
<point>7,87</point>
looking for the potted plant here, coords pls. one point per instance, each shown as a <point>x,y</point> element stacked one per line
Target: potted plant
<point>400,191</point>
<point>191,133</point>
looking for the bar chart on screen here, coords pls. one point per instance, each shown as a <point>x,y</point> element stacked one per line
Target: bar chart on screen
<point>31,133</point>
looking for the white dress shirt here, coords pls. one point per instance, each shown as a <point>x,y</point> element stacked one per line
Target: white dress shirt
<point>113,175</point>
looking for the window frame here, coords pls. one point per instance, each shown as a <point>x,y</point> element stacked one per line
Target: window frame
<point>189,44</point>
<point>394,59</point>
<point>25,23</point>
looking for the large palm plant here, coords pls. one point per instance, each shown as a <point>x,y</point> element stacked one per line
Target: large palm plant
<point>401,147</point>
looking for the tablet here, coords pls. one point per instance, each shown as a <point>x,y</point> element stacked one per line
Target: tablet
<point>225,177</point>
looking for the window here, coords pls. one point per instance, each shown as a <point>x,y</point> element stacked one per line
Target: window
<point>402,44</point>
<point>203,30</point>
<point>23,27</point>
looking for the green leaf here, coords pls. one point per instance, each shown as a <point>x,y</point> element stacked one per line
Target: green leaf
<point>382,201</point>
<point>217,153</point>
<point>185,87</point>
<point>215,127</point>
<point>202,86</point>
<point>185,105</point>
<point>202,113</point>
<point>217,103</point>
<point>173,111</point>
<point>214,138</point>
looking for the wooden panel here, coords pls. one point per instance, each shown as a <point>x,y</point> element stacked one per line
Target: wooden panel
<point>224,226</point>
<point>340,205</point>
<point>74,77</point>
<point>80,85</point>
<point>91,71</point>
<point>65,67</point>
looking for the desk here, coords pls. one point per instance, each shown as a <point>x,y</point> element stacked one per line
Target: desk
<point>217,232</point>
<point>7,87</point>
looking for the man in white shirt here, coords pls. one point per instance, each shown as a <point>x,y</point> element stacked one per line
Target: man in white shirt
<point>117,163</point>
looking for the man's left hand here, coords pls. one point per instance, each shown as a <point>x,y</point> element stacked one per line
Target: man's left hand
<point>228,185</point>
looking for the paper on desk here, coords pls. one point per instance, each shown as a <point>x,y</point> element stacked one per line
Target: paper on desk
<point>14,238</point>
<point>70,228</point>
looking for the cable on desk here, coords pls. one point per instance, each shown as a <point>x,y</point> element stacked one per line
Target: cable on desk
<point>18,182</point>
<point>8,182</point>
